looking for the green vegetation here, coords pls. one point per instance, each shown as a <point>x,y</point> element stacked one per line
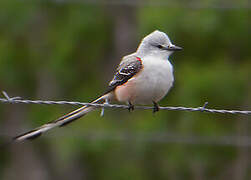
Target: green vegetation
<point>56,50</point>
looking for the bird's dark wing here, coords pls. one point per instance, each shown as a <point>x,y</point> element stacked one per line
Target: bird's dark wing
<point>129,66</point>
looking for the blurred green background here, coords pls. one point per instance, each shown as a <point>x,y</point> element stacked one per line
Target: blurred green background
<point>67,50</point>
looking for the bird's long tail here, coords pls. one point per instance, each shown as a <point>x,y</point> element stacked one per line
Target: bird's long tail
<point>62,121</point>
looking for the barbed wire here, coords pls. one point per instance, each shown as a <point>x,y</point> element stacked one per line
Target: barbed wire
<point>19,100</point>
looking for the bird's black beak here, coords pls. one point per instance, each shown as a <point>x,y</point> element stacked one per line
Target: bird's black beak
<point>173,48</point>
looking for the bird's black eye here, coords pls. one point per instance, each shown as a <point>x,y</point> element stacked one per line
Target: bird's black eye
<point>159,46</point>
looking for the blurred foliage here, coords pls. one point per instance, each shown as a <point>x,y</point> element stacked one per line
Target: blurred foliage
<point>60,50</point>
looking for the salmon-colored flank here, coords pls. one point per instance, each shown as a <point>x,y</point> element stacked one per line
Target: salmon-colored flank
<point>125,91</point>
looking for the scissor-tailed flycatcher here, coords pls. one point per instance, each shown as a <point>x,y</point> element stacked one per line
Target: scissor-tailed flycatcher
<point>143,77</point>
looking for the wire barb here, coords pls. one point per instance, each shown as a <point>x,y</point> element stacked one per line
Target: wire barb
<point>203,107</point>
<point>19,100</point>
<point>8,98</point>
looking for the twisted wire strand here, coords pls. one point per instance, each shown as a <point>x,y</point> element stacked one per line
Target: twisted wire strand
<point>19,100</point>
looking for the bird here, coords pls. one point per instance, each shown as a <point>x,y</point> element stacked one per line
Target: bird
<point>143,77</point>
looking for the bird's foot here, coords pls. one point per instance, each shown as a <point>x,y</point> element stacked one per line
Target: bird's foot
<point>131,107</point>
<point>155,107</point>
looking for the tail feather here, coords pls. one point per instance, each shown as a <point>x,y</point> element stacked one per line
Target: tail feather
<point>62,121</point>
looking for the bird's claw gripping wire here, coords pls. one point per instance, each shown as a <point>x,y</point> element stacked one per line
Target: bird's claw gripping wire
<point>130,107</point>
<point>155,107</point>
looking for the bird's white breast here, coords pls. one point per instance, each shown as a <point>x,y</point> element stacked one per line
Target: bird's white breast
<point>154,81</point>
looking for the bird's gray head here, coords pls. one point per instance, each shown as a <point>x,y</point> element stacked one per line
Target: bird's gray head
<point>157,44</point>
